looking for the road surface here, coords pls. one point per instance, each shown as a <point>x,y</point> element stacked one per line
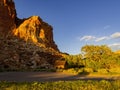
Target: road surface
<point>48,76</point>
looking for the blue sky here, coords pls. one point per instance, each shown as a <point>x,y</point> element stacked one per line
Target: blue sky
<point>77,22</point>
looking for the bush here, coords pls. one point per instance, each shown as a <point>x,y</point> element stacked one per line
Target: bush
<point>62,85</point>
<point>90,70</point>
<point>115,70</point>
<point>102,71</point>
<point>71,71</point>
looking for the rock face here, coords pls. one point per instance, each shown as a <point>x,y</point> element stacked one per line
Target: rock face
<point>7,16</point>
<point>30,29</point>
<point>16,54</point>
<point>35,30</point>
<point>25,43</point>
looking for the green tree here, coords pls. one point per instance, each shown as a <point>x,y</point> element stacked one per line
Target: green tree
<point>74,61</point>
<point>95,53</point>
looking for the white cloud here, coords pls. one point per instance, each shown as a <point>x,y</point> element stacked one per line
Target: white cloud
<point>106,27</point>
<point>98,39</point>
<point>115,46</point>
<point>87,38</point>
<point>115,35</point>
<point>102,38</point>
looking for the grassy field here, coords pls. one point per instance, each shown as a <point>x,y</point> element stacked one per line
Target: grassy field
<point>62,85</point>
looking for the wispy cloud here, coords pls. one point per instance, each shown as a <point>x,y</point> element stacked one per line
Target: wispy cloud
<point>98,39</point>
<point>115,35</point>
<point>101,38</point>
<point>107,27</point>
<point>115,46</point>
<point>87,38</point>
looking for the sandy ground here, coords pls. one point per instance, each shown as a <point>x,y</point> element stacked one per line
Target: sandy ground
<point>48,76</point>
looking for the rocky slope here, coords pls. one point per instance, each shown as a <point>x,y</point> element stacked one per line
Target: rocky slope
<point>25,43</point>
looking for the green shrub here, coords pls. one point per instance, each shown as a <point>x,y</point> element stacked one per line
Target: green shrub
<point>71,71</point>
<point>62,85</point>
<point>115,70</point>
<point>102,71</point>
<point>90,70</point>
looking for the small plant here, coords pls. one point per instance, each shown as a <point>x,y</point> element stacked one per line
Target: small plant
<point>62,85</point>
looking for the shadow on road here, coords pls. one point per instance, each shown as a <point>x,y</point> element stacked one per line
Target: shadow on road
<point>46,76</point>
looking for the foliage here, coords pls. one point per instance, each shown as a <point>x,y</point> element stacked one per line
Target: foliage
<point>96,58</point>
<point>96,52</point>
<point>74,61</point>
<point>62,85</point>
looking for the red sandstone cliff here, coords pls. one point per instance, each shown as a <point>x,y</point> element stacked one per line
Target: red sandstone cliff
<point>30,29</point>
<point>36,30</point>
<point>25,43</point>
<point>7,16</point>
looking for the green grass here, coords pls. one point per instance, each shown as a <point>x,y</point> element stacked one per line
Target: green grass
<point>62,85</point>
<point>90,71</point>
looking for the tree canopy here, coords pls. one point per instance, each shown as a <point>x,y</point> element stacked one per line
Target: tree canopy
<point>95,52</point>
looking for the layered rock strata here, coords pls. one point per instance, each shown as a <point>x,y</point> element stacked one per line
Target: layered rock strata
<point>25,43</point>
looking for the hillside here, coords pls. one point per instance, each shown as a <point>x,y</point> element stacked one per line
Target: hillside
<point>25,43</point>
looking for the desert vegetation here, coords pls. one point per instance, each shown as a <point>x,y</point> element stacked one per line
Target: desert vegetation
<point>94,59</point>
<point>62,85</point>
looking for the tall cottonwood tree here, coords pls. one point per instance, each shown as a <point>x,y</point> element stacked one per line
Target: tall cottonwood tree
<point>96,52</point>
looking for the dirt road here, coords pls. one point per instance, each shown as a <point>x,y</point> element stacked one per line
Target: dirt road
<point>47,76</point>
